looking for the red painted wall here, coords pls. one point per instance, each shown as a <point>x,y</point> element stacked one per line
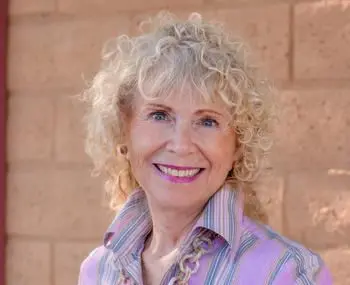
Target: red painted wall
<point>3,45</point>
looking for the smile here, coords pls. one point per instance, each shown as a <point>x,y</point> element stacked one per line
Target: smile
<point>178,174</point>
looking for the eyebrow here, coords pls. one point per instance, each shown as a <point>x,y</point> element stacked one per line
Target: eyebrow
<point>201,111</point>
<point>160,106</point>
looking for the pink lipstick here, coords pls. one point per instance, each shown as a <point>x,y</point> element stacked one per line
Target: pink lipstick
<point>178,174</point>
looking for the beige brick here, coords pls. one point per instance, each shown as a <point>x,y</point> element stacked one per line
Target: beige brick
<point>67,260</point>
<point>31,55</point>
<point>317,209</point>
<point>230,3</point>
<point>110,6</point>
<point>20,7</point>
<point>270,192</point>
<point>69,135</point>
<point>265,29</point>
<point>322,39</point>
<point>28,262</point>
<point>337,260</point>
<point>313,130</point>
<point>247,3</point>
<point>56,203</point>
<point>58,53</point>
<point>30,128</point>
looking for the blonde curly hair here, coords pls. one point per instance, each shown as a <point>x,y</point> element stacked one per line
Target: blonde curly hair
<point>172,52</point>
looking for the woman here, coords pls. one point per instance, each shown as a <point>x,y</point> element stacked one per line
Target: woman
<point>180,123</point>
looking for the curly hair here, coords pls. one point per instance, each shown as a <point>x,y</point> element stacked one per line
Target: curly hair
<point>169,53</point>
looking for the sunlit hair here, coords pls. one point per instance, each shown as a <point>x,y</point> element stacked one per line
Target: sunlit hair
<point>170,54</point>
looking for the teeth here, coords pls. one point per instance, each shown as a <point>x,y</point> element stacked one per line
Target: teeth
<point>179,173</point>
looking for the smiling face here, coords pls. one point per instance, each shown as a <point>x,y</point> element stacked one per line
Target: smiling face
<point>180,148</point>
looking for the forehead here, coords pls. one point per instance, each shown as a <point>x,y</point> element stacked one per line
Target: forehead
<point>184,98</point>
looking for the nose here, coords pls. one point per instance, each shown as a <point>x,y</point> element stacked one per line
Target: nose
<point>181,141</point>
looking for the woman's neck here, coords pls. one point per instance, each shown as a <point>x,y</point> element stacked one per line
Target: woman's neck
<point>170,228</point>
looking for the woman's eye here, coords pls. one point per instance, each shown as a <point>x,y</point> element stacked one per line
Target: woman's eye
<point>209,122</point>
<point>159,116</point>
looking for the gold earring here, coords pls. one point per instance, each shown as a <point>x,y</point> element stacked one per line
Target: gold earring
<point>123,150</point>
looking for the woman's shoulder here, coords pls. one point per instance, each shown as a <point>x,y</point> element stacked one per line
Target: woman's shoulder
<point>89,267</point>
<point>267,239</point>
<point>269,247</point>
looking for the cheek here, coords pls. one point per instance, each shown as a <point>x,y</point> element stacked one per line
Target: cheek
<point>224,161</point>
<point>144,140</point>
<point>221,152</point>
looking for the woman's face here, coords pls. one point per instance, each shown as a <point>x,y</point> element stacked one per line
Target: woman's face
<point>180,148</point>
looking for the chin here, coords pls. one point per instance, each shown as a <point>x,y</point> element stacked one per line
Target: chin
<point>179,198</point>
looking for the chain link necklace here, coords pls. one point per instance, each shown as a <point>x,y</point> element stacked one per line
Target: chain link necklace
<point>188,265</point>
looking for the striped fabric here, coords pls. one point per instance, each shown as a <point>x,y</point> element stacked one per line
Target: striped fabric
<point>244,252</point>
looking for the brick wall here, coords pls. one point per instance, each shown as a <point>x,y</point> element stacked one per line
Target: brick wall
<point>55,212</point>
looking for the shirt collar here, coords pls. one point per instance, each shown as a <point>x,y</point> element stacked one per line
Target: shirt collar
<point>131,225</point>
<point>223,215</point>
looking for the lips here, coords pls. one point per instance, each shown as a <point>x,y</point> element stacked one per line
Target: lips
<point>177,171</point>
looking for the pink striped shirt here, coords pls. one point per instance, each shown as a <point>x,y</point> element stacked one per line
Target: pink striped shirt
<point>243,251</point>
